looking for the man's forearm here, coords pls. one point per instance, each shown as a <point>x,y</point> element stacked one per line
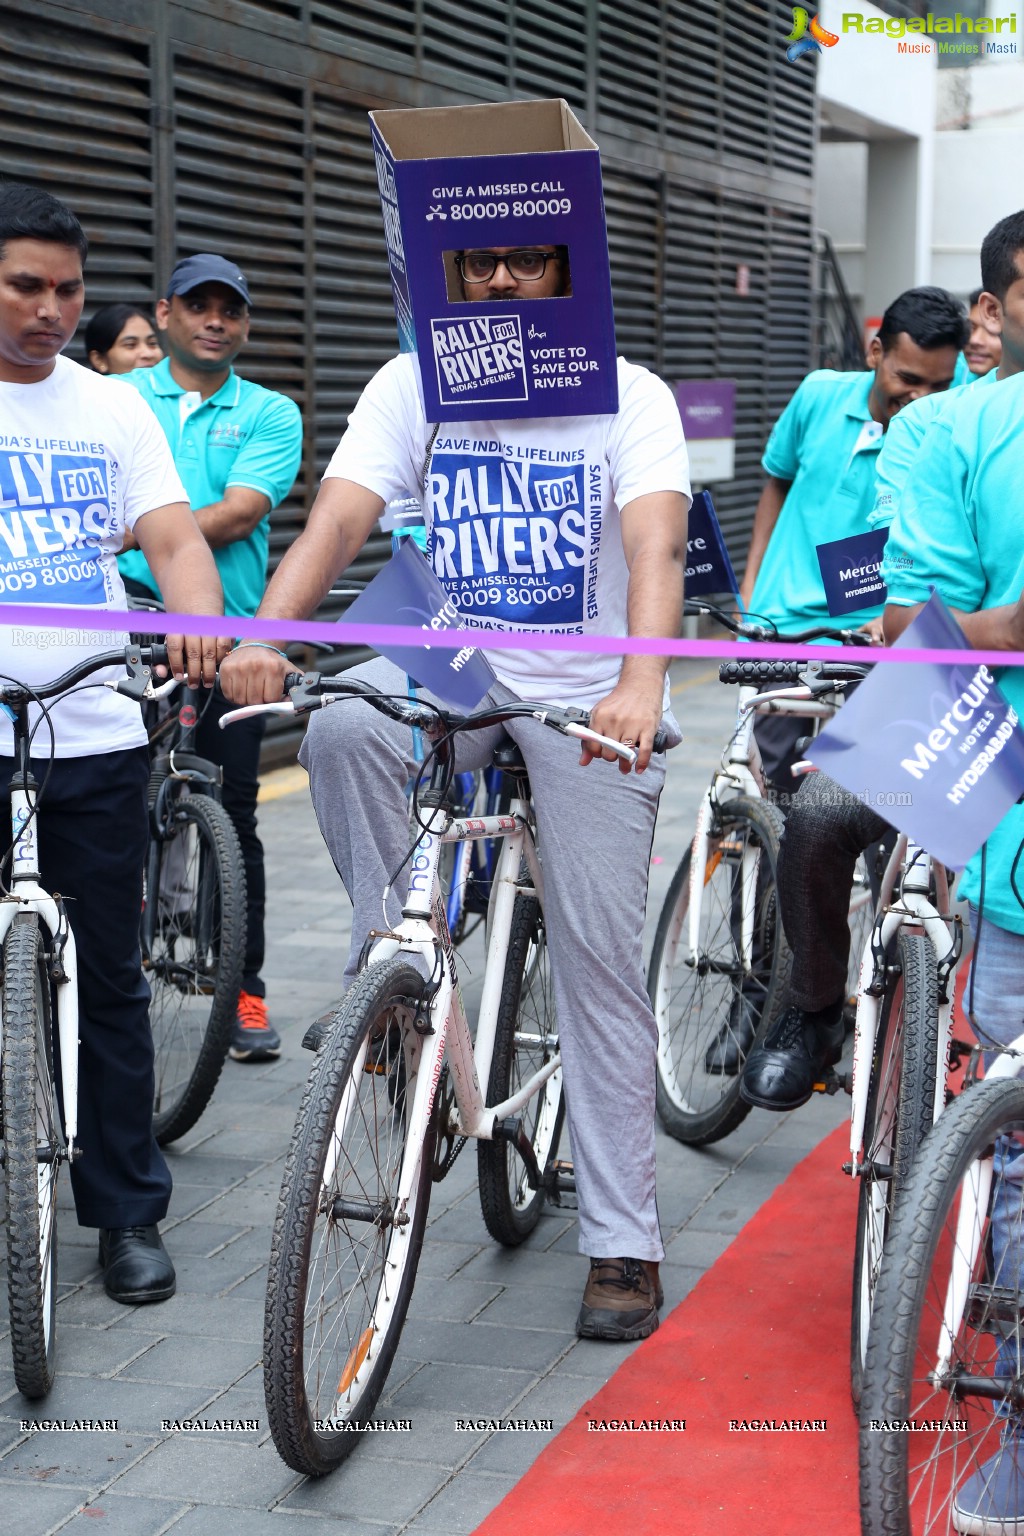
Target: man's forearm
<point>990,629</point>
<point>221,523</point>
<point>307,572</point>
<point>654,606</point>
<point>192,584</point>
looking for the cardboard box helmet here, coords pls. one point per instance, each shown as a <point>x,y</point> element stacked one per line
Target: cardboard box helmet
<point>519,177</point>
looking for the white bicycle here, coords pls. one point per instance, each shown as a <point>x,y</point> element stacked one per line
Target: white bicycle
<point>396,1092</point>
<point>40,987</point>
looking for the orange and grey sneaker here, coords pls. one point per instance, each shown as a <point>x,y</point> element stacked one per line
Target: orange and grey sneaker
<point>621,1300</point>
<point>253,1037</point>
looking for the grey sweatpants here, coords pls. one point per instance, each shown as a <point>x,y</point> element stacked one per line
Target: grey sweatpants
<point>595,826</point>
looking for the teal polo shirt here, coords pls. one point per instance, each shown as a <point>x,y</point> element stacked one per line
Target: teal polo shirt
<point>827,444</point>
<point>243,435</point>
<point>903,439</point>
<point>959,528</point>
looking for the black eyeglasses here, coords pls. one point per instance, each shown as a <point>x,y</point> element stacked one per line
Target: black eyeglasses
<point>525,266</point>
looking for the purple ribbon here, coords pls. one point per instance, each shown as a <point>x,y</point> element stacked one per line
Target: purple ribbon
<point>341,633</point>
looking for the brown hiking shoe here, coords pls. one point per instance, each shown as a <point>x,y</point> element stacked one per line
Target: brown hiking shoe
<point>621,1300</point>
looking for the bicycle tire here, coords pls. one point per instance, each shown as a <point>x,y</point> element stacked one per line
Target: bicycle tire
<point>908,1478</point>
<point>194,965</point>
<point>337,1299</point>
<point>692,1005</point>
<point>900,1107</point>
<point>526,1037</point>
<point>34,1148</point>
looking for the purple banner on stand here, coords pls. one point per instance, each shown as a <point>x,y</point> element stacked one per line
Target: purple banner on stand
<point>707,406</point>
<point>708,567</point>
<point>935,749</point>
<point>406,591</point>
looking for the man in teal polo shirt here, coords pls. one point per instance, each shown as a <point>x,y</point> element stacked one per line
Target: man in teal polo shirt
<point>827,828</point>
<point>958,529</point>
<point>820,460</point>
<point>237,448</point>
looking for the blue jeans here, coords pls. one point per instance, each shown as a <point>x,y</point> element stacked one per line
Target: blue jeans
<point>998,980</point>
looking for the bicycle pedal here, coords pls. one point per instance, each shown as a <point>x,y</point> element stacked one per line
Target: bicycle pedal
<point>834,1082</point>
<point>560,1180</point>
<point>318,1031</point>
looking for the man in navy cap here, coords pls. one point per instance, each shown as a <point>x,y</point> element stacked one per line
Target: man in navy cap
<point>237,447</point>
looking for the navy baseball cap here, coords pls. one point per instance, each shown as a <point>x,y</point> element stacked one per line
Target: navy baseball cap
<point>207,268</point>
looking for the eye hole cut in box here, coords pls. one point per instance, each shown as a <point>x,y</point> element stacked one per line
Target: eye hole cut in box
<point>557,274</point>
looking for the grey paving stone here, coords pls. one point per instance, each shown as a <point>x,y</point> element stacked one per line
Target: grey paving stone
<point>115,1515</point>
<point>199,1276</point>
<point>358,1489</point>
<point>458,1300</point>
<point>473,1389</point>
<point>441,1259</point>
<point>433,1437</point>
<point>459,1508</point>
<point>211,1470</point>
<point>191,1362</point>
<point>282,1522</point>
<point>696,1248</point>
<point>135,1405</point>
<point>104,1351</point>
<point>37,1507</point>
<point>83,1460</point>
<point>479,1344</point>
<point>213,1317</point>
<point>211,1168</point>
<point>547,1310</point>
<point>197,1235</point>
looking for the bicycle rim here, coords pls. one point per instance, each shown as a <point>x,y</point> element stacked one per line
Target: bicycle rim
<point>344,1251</point>
<point>33,1144</point>
<point>526,1038</point>
<point>942,1382</point>
<point>697,999</point>
<point>194,963</point>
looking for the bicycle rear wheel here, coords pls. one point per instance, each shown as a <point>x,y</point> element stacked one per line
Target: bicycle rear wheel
<point>193,953</point>
<point>960,1371</point>
<point>901,1097</point>
<point>344,1250</point>
<point>526,1038</point>
<point>33,1148</point>
<point>713,998</point>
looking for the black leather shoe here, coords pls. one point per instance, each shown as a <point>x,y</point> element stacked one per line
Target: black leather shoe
<point>136,1265</point>
<point>782,1071</point>
<point>727,1051</point>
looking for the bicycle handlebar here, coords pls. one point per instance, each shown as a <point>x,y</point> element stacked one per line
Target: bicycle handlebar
<point>139,659</point>
<point>746,630</point>
<point>814,673</point>
<point>311,691</point>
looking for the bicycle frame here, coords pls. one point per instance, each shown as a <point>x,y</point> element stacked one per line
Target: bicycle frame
<point>423,931</point>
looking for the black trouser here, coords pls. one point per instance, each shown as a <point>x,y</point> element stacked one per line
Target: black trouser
<point>93,835</point>
<point>237,750</point>
<point>827,828</point>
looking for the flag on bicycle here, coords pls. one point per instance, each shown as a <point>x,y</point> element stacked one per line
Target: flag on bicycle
<point>933,748</point>
<point>406,591</point>
<point>708,567</point>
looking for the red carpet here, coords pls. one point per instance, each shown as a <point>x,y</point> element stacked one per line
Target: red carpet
<point>764,1335</point>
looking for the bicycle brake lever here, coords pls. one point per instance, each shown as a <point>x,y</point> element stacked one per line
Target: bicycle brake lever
<point>305,694</point>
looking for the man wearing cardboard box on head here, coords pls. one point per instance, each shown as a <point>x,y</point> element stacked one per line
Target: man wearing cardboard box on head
<point>555,491</point>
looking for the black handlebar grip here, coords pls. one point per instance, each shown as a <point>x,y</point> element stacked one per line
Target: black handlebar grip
<point>660,743</point>
<point>157,654</point>
<point>292,680</point>
<point>753,673</point>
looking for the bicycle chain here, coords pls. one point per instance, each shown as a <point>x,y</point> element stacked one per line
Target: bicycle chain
<point>447,1142</point>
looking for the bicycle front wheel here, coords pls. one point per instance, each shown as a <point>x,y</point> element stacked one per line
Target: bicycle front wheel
<point>941,1398</point>
<point>713,1003</point>
<point>193,955</point>
<point>901,1098</point>
<point>33,1148</point>
<point>526,1038</point>
<point>345,1246</point>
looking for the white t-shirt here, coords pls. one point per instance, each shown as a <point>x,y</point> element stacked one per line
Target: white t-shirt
<point>81,458</point>
<point>523,515</point>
